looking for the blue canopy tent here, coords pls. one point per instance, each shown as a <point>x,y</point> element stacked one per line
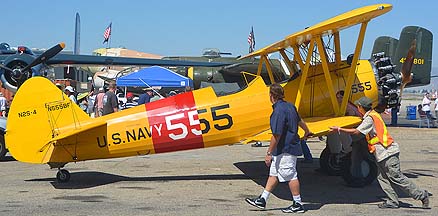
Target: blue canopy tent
<point>154,76</point>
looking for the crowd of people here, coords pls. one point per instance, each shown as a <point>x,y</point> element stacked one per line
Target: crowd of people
<point>103,102</point>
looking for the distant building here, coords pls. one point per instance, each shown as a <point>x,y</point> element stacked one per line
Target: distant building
<point>123,52</point>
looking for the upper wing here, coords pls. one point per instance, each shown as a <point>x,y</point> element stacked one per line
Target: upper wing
<point>318,125</point>
<point>329,26</point>
<point>110,60</point>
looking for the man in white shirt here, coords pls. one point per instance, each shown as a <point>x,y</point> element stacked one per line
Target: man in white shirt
<point>3,104</point>
<point>426,104</point>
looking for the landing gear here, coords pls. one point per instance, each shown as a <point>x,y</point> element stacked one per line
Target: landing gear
<point>330,163</point>
<point>363,173</point>
<point>62,176</point>
<point>357,167</point>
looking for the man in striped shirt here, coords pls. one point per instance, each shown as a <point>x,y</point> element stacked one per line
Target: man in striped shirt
<point>129,101</point>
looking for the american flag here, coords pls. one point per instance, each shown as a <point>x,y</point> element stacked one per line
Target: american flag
<point>107,33</point>
<point>251,40</point>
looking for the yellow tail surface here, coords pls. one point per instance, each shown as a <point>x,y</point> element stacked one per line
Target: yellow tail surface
<point>37,114</point>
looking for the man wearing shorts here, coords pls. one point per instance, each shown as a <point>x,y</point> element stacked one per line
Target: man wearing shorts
<point>283,150</point>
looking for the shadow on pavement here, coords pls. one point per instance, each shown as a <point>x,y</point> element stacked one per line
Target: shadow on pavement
<point>82,180</point>
<point>7,159</point>
<point>317,188</point>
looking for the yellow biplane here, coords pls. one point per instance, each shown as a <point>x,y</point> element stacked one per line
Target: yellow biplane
<point>45,127</point>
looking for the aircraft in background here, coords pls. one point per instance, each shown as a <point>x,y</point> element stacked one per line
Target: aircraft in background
<point>201,119</point>
<point>16,66</point>
<point>395,50</point>
<point>226,74</point>
<point>230,73</point>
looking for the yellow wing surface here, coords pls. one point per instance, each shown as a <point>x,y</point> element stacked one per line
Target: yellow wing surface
<point>329,26</point>
<point>318,125</point>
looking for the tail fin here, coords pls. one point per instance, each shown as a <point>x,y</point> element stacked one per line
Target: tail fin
<point>385,44</point>
<point>423,55</point>
<point>38,112</point>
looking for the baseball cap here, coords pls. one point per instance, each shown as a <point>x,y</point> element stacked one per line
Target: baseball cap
<point>364,102</point>
<point>70,89</point>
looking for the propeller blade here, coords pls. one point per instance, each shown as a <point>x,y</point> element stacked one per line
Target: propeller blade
<point>6,68</point>
<point>408,63</point>
<point>45,56</point>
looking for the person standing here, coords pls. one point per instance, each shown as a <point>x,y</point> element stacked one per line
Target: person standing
<point>98,105</point>
<point>308,158</point>
<point>3,105</point>
<point>129,101</point>
<point>386,152</point>
<point>145,97</point>
<point>91,101</point>
<point>426,105</point>
<point>110,104</point>
<point>283,150</point>
<point>436,109</point>
<point>71,94</point>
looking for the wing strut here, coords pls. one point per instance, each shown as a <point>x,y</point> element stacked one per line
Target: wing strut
<point>304,74</point>
<point>288,62</point>
<point>328,79</point>
<point>337,49</point>
<point>352,72</point>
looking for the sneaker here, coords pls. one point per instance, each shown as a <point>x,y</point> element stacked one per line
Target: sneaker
<point>258,202</point>
<point>425,201</point>
<point>386,205</point>
<point>294,208</point>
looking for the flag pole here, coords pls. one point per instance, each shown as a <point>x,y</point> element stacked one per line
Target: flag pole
<point>109,42</point>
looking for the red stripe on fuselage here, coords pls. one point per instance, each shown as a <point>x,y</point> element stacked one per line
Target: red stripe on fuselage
<point>178,118</point>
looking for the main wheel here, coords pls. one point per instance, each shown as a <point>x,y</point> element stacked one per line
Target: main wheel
<point>62,176</point>
<point>330,163</point>
<point>2,147</point>
<point>365,174</point>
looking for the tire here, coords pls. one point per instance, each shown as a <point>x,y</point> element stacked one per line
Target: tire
<point>368,171</point>
<point>62,176</point>
<point>330,163</point>
<point>3,149</point>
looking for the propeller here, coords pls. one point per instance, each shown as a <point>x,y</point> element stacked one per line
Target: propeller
<point>19,73</point>
<point>407,66</point>
<point>45,56</point>
<point>6,68</point>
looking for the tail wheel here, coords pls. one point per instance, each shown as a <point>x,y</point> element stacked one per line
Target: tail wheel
<point>62,176</point>
<point>2,146</point>
<point>330,163</point>
<point>363,174</point>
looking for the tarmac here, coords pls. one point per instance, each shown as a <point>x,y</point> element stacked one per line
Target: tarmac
<point>212,181</point>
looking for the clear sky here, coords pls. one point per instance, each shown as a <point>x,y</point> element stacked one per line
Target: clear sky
<point>186,27</point>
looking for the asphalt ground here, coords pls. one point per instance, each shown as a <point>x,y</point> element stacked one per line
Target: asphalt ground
<point>212,181</point>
